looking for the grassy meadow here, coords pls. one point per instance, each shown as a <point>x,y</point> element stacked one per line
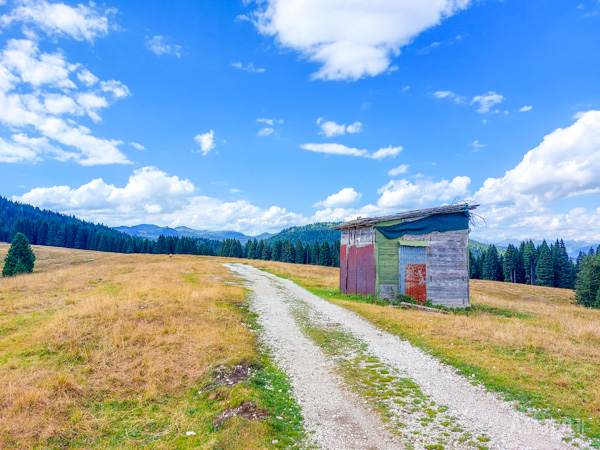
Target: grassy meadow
<point>530,343</point>
<point>117,351</point>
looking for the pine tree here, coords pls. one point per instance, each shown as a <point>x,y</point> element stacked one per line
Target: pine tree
<point>587,286</point>
<point>510,264</point>
<point>314,253</point>
<point>42,235</point>
<point>80,239</point>
<point>491,264</point>
<point>530,257</point>
<point>20,257</point>
<point>255,254</point>
<point>276,251</point>
<point>325,254</point>
<point>266,253</point>
<point>335,254</point>
<point>259,249</point>
<point>288,252</point>
<point>299,252</point>
<point>159,248</point>
<point>236,249</point>
<point>544,272</point>
<point>248,249</point>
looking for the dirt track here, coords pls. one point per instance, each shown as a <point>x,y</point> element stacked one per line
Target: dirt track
<point>343,369</point>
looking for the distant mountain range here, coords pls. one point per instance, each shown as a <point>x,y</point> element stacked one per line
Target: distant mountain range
<point>306,233</point>
<point>154,231</point>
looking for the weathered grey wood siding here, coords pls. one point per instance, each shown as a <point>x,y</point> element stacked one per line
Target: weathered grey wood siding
<point>447,267</point>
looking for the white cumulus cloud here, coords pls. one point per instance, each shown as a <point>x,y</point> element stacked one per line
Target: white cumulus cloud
<point>565,164</point>
<point>206,141</point>
<point>153,196</point>
<point>345,197</point>
<point>330,128</point>
<point>350,40</point>
<point>37,95</point>
<point>82,23</point>
<point>406,194</point>
<point>87,77</point>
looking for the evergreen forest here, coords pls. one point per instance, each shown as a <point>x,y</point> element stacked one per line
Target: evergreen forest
<point>43,227</point>
<point>545,265</point>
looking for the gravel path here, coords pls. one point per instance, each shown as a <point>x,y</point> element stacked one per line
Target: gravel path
<point>337,418</point>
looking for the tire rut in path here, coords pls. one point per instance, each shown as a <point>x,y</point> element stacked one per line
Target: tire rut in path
<point>337,417</point>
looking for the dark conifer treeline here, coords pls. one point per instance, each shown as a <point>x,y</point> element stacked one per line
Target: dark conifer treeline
<point>322,254</point>
<point>542,266</point>
<point>42,227</point>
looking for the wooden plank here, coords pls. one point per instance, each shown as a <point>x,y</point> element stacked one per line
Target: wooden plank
<point>352,263</point>
<point>343,269</point>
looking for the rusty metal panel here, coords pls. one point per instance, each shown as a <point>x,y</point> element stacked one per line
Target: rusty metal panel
<point>415,281</point>
<point>413,272</point>
<point>343,269</point>
<point>352,266</point>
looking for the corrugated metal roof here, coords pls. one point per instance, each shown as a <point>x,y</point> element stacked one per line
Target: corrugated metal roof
<point>370,221</point>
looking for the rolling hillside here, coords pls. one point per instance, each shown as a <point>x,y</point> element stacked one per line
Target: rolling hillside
<point>321,231</point>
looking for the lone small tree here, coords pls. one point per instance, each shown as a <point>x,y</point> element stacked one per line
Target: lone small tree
<point>20,258</point>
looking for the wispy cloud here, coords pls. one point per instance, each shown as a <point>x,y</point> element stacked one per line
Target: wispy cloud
<point>137,146</point>
<point>403,168</point>
<point>248,67</point>
<point>159,46</point>
<point>269,122</point>
<point>266,131</point>
<point>339,149</point>
<point>526,108</point>
<point>477,145</point>
<point>485,101</point>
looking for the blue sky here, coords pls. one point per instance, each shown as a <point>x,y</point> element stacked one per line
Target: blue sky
<point>255,116</point>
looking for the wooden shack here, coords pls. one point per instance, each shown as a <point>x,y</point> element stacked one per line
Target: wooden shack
<point>420,253</point>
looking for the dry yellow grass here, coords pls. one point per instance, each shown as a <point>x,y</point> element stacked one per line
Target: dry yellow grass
<point>105,349</point>
<point>530,342</point>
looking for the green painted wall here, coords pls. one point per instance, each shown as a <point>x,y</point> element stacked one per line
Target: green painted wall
<point>386,257</point>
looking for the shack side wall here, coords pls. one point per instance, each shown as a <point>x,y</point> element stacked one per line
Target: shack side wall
<point>447,266</point>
